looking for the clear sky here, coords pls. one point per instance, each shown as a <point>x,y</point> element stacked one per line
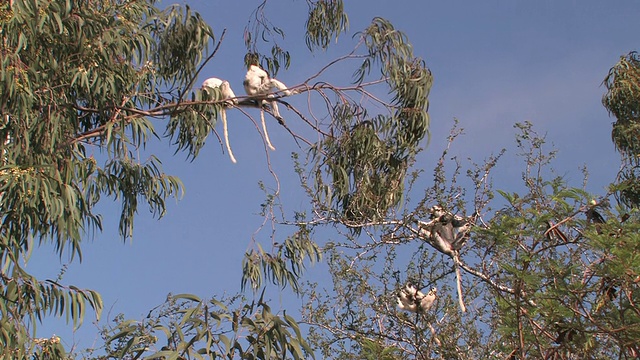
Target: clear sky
<point>495,63</point>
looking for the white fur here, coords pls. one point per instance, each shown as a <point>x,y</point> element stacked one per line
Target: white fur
<point>227,93</point>
<point>257,83</point>
<point>413,300</point>
<point>447,233</point>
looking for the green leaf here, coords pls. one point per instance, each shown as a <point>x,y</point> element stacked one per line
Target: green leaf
<point>190,297</point>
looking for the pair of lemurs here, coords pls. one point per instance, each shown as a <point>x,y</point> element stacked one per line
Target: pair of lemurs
<point>256,83</point>
<point>413,300</point>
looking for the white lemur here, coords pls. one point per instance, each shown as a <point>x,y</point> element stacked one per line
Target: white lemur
<point>227,93</point>
<point>257,82</point>
<point>447,233</point>
<point>413,300</point>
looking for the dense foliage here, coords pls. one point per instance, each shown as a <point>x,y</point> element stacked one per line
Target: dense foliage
<point>547,272</point>
<point>622,101</point>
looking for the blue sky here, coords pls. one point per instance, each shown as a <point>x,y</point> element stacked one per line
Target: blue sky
<point>494,63</point>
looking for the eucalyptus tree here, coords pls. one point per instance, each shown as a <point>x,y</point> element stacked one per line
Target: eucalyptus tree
<point>623,102</point>
<point>87,83</point>
<point>548,272</point>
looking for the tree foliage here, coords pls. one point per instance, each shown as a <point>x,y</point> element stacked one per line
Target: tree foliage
<point>361,169</point>
<point>548,271</point>
<point>187,327</point>
<point>85,85</point>
<point>622,101</point>
<point>326,20</point>
<point>542,275</point>
<point>81,83</point>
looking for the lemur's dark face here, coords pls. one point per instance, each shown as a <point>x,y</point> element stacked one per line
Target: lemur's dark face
<point>436,211</point>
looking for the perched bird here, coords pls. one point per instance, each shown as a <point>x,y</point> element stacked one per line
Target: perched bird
<point>593,216</point>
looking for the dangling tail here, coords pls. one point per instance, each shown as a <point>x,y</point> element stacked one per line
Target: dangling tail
<point>456,261</point>
<point>264,128</point>
<point>226,134</point>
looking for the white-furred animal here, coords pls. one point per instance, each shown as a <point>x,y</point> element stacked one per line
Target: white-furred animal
<point>227,93</point>
<point>414,300</point>
<point>427,300</point>
<point>406,298</point>
<point>447,233</point>
<point>258,83</point>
